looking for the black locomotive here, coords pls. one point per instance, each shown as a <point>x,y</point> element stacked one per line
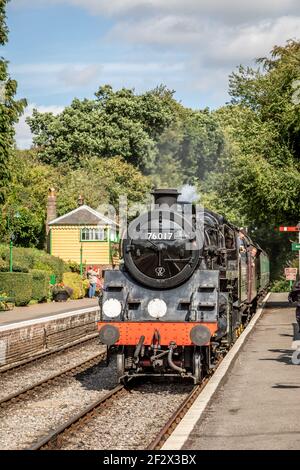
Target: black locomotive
<point>189,282</point>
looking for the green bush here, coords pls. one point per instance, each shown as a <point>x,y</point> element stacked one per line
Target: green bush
<point>4,267</point>
<point>281,285</point>
<point>40,285</point>
<point>32,258</point>
<point>19,269</point>
<point>73,266</point>
<point>76,283</point>
<point>18,286</point>
<point>86,285</point>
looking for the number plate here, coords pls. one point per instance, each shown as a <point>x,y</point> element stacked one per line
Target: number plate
<point>160,235</point>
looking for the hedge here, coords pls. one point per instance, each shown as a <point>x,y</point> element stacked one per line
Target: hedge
<point>281,285</point>
<point>18,286</point>
<point>76,283</point>
<point>32,258</point>
<point>4,267</point>
<point>40,285</point>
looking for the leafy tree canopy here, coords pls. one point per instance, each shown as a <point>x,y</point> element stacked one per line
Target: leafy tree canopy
<point>273,92</point>
<point>114,123</point>
<point>10,110</point>
<point>190,148</point>
<point>258,174</point>
<point>152,131</point>
<point>3,26</point>
<point>100,182</point>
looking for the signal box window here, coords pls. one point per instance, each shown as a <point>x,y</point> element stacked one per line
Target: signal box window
<point>93,235</point>
<point>113,235</point>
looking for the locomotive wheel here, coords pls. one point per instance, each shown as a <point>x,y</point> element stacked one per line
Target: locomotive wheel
<point>120,367</point>
<point>197,367</point>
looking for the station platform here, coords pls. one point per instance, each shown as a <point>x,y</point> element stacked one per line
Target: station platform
<point>257,405</point>
<point>20,314</point>
<point>28,332</point>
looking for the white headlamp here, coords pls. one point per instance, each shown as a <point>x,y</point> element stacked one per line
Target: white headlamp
<point>157,308</point>
<point>112,308</point>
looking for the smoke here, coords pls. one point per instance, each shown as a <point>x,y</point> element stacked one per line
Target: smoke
<point>188,194</point>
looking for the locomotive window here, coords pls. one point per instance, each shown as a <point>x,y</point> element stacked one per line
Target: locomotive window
<point>229,238</point>
<point>211,236</point>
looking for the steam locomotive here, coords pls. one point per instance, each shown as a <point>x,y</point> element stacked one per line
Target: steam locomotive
<point>189,282</point>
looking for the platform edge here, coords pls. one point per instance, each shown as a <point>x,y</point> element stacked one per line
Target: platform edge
<point>181,433</point>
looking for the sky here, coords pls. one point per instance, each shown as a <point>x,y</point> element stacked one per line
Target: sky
<point>61,49</point>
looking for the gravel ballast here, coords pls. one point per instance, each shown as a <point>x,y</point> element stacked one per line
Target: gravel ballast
<point>24,422</point>
<point>130,422</point>
<point>133,421</point>
<point>15,380</point>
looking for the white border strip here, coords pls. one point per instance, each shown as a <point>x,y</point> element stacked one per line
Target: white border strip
<point>35,321</point>
<point>186,425</point>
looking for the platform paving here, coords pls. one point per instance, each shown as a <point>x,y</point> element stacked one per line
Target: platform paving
<point>20,314</point>
<point>258,404</point>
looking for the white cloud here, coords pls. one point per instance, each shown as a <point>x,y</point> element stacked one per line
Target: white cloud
<point>167,30</point>
<point>66,78</point>
<point>243,43</point>
<point>23,135</point>
<point>71,75</point>
<point>228,10</point>
<point>138,67</point>
<point>221,30</point>
<point>203,41</point>
<point>208,39</point>
<point>77,76</point>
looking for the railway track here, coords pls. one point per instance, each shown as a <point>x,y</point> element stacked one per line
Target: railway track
<point>53,352</point>
<point>176,417</point>
<point>178,414</point>
<point>57,438</point>
<point>61,436</point>
<point>54,378</point>
<point>54,439</point>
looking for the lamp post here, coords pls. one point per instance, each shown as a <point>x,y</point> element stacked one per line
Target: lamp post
<point>299,250</point>
<point>15,215</point>
<point>83,227</point>
<point>11,253</point>
<point>81,267</point>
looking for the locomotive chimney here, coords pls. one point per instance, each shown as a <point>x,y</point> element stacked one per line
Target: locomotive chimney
<point>80,200</point>
<point>165,196</point>
<point>51,215</point>
<point>51,208</point>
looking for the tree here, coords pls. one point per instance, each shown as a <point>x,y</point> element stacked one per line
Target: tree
<point>189,148</point>
<point>102,182</point>
<point>257,179</point>
<point>114,123</point>
<point>201,145</point>
<point>27,195</point>
<point>259,173</point>
<point>99,182</point>
<point>273,92</point>
<point>10,110</point>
